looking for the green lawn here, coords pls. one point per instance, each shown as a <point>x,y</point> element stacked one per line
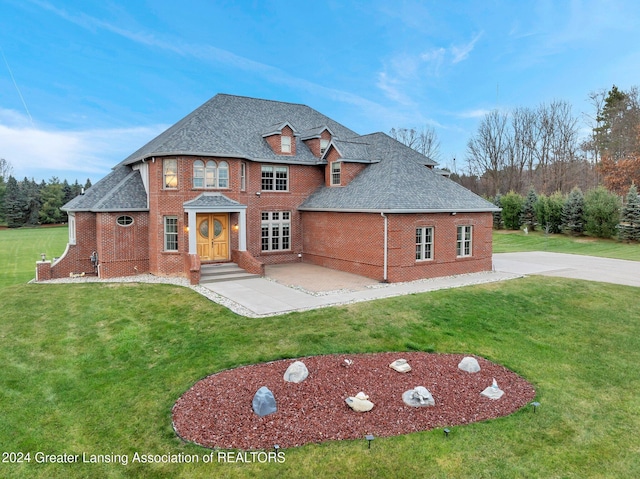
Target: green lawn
<point>96,368</point>
<point>506,241</point>
<point>20,248</point>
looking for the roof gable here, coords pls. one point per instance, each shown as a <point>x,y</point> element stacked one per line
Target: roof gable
<point>399,182</point>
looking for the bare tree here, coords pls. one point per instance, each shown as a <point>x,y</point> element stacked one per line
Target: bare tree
<point>6,169</point>
<point>488,149</point>
<point>424,141</point>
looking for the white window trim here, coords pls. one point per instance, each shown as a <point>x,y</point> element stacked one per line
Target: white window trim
<point>243,176</point>
<point>274,178</point>
<point>280,223</point>
<point>167,233</point>
<point>285,144</point>
<point>461,241</point>
<point>423,244</point>
<point>324,144</point>
<point>165,162</point>
<point>336,169</point>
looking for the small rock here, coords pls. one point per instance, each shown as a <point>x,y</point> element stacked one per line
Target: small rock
<point>469,365</point>
<point>418,397</point>
<point>263,402</point>
<point>493,391</point>
<point>400,365</point>
<point>296,372</point>
<point>360,402</point>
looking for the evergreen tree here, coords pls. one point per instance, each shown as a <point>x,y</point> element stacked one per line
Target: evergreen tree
<point>601,212</point>
<point>528,210</point>
<point>573,213</point>
<point>512,210</point>
<point>3,190</point>
<point>629,227</point>
<point>87,184</point>
<point>52,196</point>
<point>555,203</point>
<point>15,204</point>
<point>497,215</point>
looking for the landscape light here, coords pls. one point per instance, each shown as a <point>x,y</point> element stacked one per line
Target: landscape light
<point>276,447</point>
<point>369,438</point>
<point>446,432</point>
<point>535,405</point>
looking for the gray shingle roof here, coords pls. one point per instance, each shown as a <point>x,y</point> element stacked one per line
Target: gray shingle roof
<point>399,182</point>
<point>231,126</point>
<point>211,200</point>
<point>121,190</point>
<point>234,126</point>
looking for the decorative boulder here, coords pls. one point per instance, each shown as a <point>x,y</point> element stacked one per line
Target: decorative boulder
<point>493,391</point>
<point>469,365</point>
<point>418,397</point>
<point>296,372</point>
<point>400,365</point>
<point>360,402</point>
<point>263,402</point>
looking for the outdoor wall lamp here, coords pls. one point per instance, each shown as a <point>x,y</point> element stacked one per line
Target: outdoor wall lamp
<point>235,227</point>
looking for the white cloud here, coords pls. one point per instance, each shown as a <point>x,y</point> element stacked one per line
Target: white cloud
<point>478,113</point>
<point>32,149</point>
<point>461,53</point>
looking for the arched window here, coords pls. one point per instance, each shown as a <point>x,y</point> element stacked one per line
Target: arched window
<point>223,174</point>
<point>198,174</point>
<point>210,174</point>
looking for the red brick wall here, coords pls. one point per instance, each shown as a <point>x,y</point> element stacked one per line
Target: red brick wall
<point>314,143</point>
<point>354,242</point>
<point>122,250</point>
<point>77,257</point>
<point>303,180</point>
<point>275,142</point>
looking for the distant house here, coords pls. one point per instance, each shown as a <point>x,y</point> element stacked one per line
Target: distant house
<point>260,182</point>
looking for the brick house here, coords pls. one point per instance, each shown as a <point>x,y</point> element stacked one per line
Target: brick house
<point>259,182</point>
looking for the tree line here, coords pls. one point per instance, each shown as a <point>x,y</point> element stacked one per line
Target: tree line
<point>28,203</point>
<point>599,213</point>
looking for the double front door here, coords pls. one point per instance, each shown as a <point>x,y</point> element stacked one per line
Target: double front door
<point>213,236</point>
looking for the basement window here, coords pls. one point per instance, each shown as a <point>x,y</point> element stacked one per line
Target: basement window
<point>124,220</point>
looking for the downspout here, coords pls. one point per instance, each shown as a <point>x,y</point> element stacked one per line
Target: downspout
<point>386,244</point>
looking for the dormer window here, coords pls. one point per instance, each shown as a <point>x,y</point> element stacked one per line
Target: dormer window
<point>323,145</point>
<point>285,144</point>
<point>335,173</point>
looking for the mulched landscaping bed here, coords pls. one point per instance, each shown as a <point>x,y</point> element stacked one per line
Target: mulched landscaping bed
<point>217,411</point>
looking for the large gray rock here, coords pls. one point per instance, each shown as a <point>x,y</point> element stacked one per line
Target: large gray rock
<point>263,402</point>
<point>296,372</point>
<point>418,397</point>
<point>469,365</point>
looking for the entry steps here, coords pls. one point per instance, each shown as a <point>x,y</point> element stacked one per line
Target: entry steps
<point>217,272</point>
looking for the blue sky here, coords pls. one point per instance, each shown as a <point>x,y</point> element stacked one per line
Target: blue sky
<point>84,83</point>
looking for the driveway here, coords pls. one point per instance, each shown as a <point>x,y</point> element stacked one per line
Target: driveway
<point>590,268</point>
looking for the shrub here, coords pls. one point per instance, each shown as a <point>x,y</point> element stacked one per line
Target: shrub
<point>601,212</point>
<point>512,210</point>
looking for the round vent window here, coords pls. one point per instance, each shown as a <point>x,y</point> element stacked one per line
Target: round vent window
<point>124,220</point>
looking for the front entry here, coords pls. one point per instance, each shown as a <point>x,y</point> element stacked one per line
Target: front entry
<point>213,236</point>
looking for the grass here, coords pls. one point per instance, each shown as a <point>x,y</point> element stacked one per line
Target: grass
<point>96,368</point>
<point>507,241</point>
<point>20,248</point>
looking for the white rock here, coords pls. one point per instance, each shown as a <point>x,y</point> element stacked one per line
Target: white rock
<point>360,402</point>
<point>493,392</point>
<point>296,372</point>
<point>469,365</point>
<point>400,365</point>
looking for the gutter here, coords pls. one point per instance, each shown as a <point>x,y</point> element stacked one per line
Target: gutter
<point>386,248</point>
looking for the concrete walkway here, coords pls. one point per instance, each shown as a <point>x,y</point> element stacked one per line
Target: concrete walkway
<point>299,286</point>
